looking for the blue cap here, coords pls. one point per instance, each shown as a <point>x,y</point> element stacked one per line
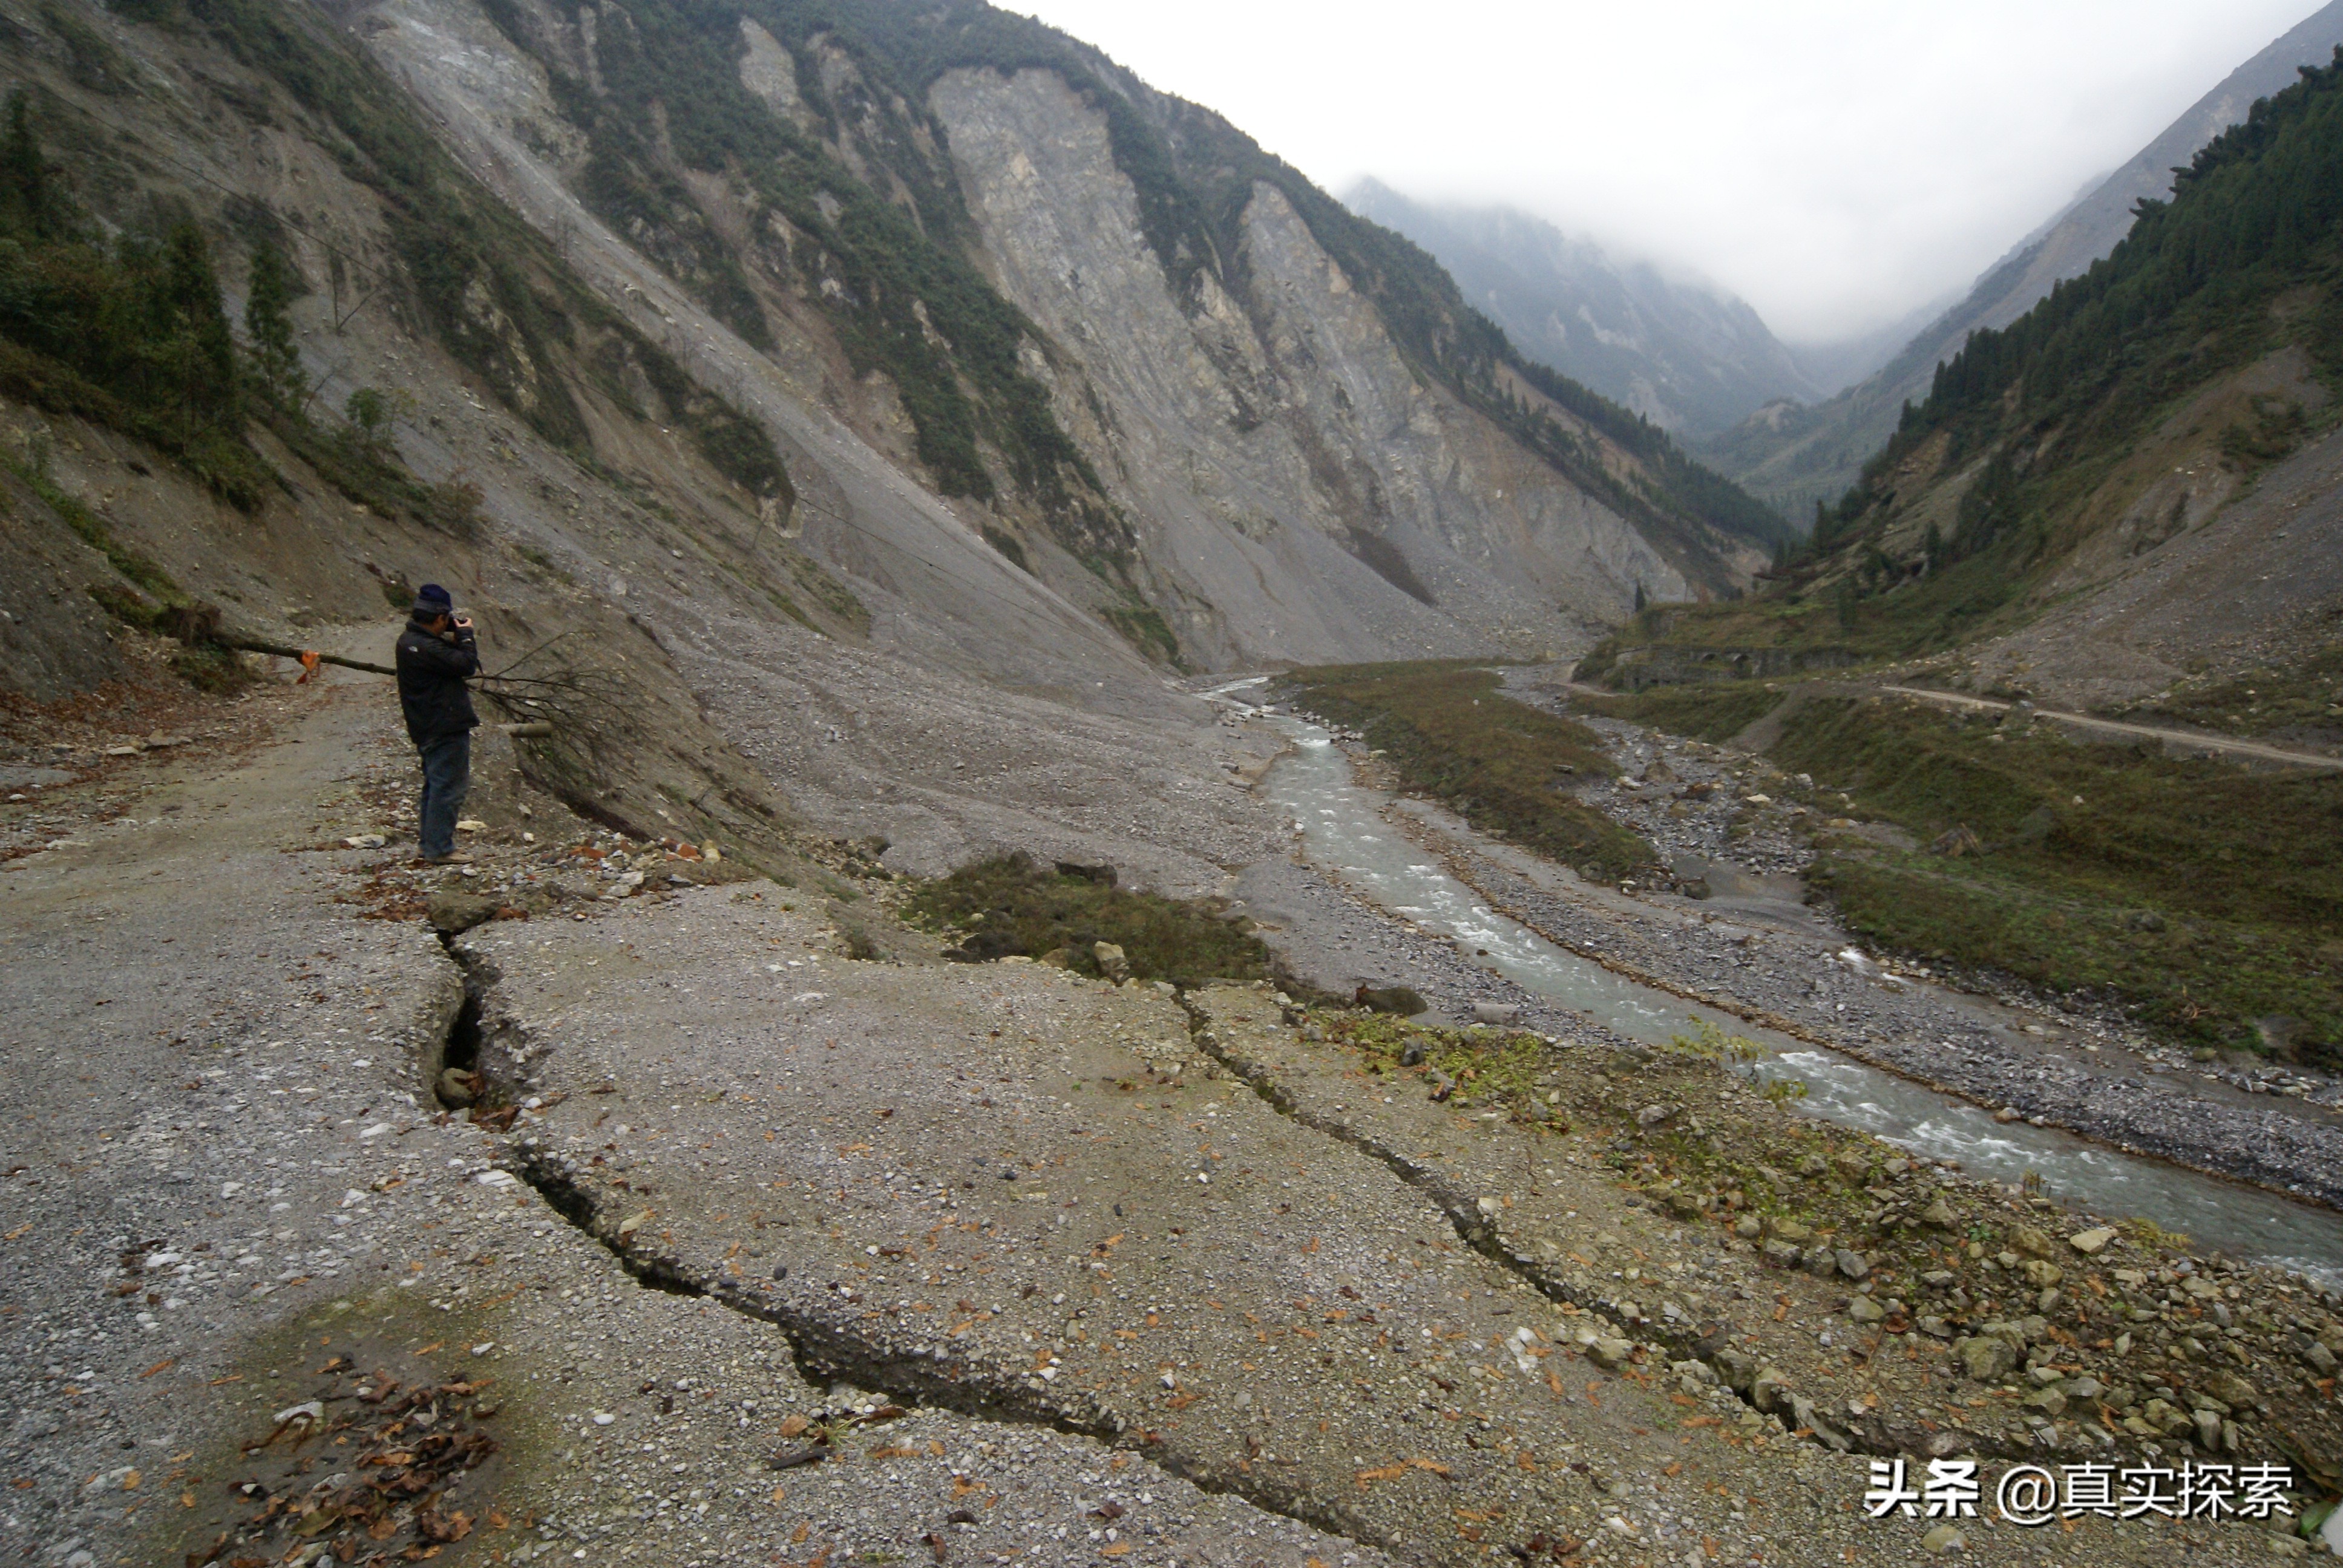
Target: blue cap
<point>431,600</point>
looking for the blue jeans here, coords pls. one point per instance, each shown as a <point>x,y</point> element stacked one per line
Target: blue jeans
<point>446,777</point>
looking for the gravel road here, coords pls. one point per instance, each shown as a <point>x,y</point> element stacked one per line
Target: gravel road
<point>230,1192</point>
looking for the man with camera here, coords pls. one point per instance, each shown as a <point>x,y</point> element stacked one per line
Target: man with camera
<point>436,655</point>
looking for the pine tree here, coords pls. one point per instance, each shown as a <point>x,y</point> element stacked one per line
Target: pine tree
<point>267,322</point>
<point>368,412</point>
<point>28,200</point>
<point>198,350</point>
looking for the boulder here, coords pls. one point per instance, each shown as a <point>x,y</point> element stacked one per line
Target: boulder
<point>1111,962</point>
<point>2232,1390</point>
<point>1393,999</point>
<point>1496,1012</point>
<point>1850,1263</point>
<point>1734,1369</point>
<point>2208,1436</point>
<point>1987,1358</point>
<point>452,911</point>
<point>1609,1353</point>
<point>2092,1242</point>
<point>1808,1416</point>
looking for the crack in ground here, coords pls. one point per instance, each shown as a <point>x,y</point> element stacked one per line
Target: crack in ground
<point>1799,1415</point>
<point>826,1353</point>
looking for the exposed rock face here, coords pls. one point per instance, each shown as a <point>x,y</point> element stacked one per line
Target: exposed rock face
<point>1287,469</point>
<point>936,592</point>
<point>768,70</point>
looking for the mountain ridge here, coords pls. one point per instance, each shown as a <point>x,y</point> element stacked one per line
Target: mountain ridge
<point>1691,357</point>
<point>2098,492</point>
<point>1795,458</point>
<point>1193,180</point>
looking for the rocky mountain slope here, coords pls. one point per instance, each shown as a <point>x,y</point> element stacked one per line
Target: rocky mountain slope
<point>1296,441</point>
<point>839,366</point>
<point>1795,456</point>
<point>1691,360</point>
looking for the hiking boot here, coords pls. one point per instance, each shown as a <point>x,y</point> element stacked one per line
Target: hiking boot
<point>456,859</point>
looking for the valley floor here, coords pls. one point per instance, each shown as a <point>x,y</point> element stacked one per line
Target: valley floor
<point>772,1254</point>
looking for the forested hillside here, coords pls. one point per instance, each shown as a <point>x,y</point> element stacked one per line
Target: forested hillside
<point>1792,456</point>
<point>2042,438</point>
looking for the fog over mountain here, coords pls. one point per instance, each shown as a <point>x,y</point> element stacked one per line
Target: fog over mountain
<point>1793,456</point>
<point>1686,355</point>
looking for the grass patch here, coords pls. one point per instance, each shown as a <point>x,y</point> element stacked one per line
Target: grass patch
<point>1012,905</point>
<point>2304,700</point>
<point>2210,896</point>
<point>1504,767</point>
<point>1499,1067</point>
<point>1143,626</point>
<point>1715,713</point>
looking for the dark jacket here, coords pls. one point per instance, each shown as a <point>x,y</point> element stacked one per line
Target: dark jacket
<point>432,667</point>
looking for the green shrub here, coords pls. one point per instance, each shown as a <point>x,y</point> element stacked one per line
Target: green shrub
<point>1012,906</point>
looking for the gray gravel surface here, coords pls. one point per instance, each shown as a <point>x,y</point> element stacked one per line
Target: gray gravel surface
<point>224,1173</point>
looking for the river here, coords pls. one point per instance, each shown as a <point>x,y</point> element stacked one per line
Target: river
<point>1345,836</point>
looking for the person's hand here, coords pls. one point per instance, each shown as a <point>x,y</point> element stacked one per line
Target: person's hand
<point>464,622</point>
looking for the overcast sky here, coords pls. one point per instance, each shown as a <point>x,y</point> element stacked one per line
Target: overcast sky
<point>1834,162</point>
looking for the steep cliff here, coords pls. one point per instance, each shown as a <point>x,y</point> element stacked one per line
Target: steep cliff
<point>1140,359</point>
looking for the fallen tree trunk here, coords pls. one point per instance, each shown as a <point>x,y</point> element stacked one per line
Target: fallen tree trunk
<point>527,730</point>
<point>303,655</point>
